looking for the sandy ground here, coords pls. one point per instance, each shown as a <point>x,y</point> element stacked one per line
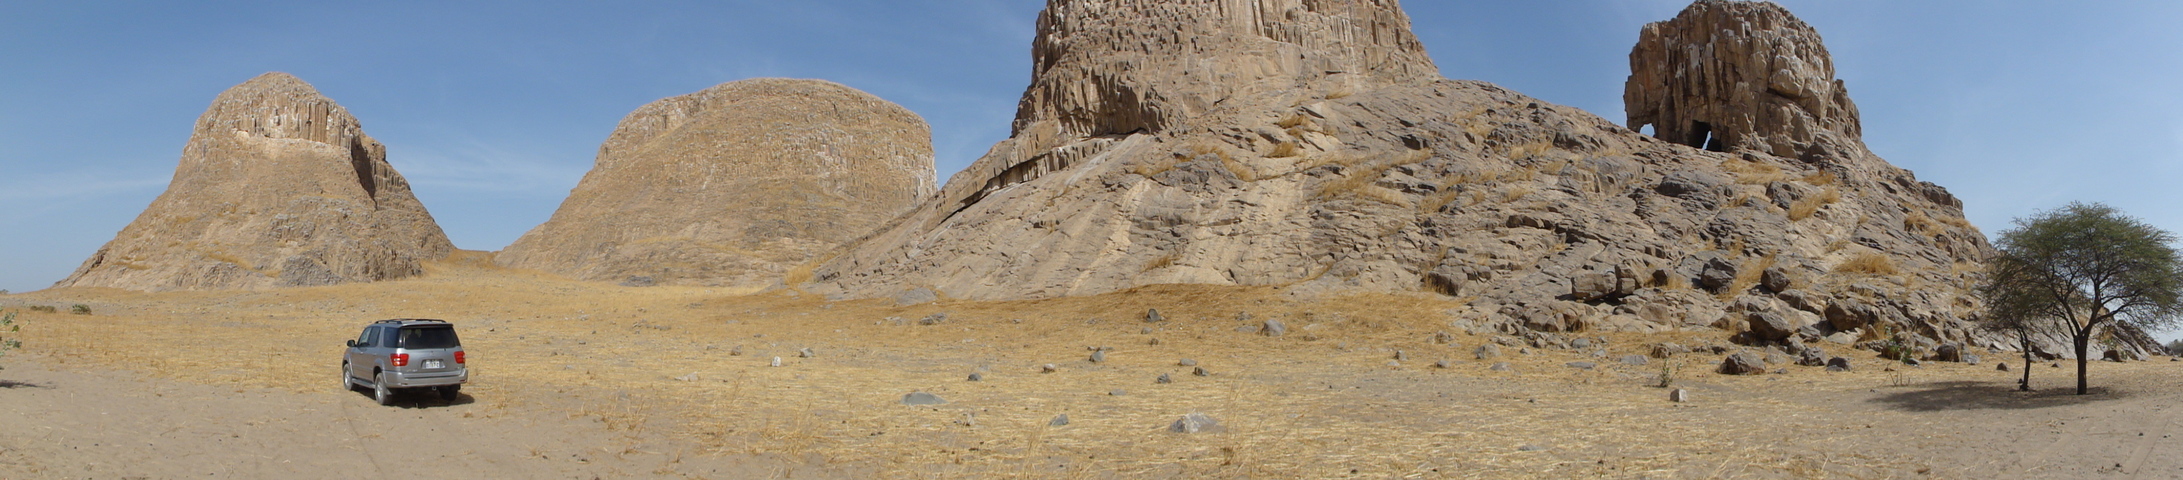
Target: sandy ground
<point>106,424</point>
<point>576,380</point>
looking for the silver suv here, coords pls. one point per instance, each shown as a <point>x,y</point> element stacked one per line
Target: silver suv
<point>405,354</point>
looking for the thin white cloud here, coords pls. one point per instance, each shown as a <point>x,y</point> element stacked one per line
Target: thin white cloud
<point>483,167</point>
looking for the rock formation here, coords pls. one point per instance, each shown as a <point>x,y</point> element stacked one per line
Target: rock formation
<point>278,187</point>
<point>735,185</point>
<point>1727,75</point>
<point>1309,145</point>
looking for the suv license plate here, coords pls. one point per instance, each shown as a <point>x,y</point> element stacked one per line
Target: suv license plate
<point>434,364</point>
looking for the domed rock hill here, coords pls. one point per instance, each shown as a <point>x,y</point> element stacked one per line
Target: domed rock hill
<point>734,185</point>
<point>1312,145</point>
<point>278,187</point>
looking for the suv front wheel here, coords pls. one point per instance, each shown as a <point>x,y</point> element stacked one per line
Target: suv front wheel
<point>346,384</point>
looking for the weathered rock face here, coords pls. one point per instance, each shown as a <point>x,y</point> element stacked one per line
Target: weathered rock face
<point>1546,218</point>
<point>278,187</point>
<point>735,185</point>
<point>1727,75</point>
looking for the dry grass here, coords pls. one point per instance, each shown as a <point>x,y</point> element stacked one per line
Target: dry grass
<point>1821,178</point>
<point>1753,173</point>
<point>1917,221</point>
<point>1747,276</point>
<point>1869,263</point>
<point>1285,150</point>
<point>1804,208</point>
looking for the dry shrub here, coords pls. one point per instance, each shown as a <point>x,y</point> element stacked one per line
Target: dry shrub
<point>1437,201</point>
<point>1747,276</point>
<point>1294,120</point>
<point>1805,207</point>
<point>1529,150</point>
<point>1753,173</point>
<point>1163,262</point>
<point>1515,192</point>
<point>1285,150</point>
<point>1821,178</point>
<point>1869,263</point>
<point>1917,221</point>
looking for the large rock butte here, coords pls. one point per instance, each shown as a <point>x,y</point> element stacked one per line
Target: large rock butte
<point>1727,75</point>
<point>278,187</point>
<point>1310,145</point>
<point>735,185</point>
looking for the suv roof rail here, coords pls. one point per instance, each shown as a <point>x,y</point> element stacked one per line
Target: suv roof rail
<point>400,320</point>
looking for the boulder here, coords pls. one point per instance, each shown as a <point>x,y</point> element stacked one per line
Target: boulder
<point>1195,423</point>
<point>922,398</point>
<point>1743,363</point>
<point>1770,326</point>
<point>1838,364</point>
<point>1948,352</point>
<point>277,187</point>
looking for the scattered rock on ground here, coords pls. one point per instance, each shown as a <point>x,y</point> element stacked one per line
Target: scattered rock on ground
<point>917,297</point>
<point>1487,351</point>
<point>1743,363</point>
<point>922,398</point>
<point>1582,365</point>
<point>1195,423</point>
<point>977,377</point>
<point>1164,379</point>
<point>933,319</point>
<point>1059,420</point>
<point>1679,396</point>
<point>1274,328</point>
<point>1048,368</point>
<point>1502,367</point>
<point>1838,364</point>
<point>1635,360</point>
<point>1153,315</point>
<point>1187,362</point>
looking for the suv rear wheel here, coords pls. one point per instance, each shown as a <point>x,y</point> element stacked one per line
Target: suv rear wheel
<point>379,390</point>
<point>449,392</point>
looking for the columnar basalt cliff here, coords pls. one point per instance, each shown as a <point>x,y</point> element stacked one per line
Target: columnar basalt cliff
<point>278,186</point>
<point>735,185</point>
<point>1341,163</point>
<point>1727,75</point>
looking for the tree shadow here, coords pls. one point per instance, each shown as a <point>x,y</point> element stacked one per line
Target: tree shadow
<point>1968,395</point>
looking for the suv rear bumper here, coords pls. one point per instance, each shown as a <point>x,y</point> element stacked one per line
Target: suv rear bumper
<point>427,379</point>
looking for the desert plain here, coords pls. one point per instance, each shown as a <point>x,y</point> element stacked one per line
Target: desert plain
<point>581,380</point>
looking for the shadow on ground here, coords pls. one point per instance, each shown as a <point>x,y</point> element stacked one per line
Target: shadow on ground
<point>11,384</point>
<point>1940,396</point>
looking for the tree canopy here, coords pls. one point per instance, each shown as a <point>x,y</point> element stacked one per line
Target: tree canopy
<point>2081,269</point>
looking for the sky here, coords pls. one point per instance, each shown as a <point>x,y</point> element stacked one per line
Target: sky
<point>494,109</point>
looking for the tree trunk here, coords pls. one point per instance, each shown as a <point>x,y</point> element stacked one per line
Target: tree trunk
<point>2083,340</point>
<point>2024,339</point>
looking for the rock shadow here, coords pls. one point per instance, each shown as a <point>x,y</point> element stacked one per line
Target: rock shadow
<point>1968,395</point>
<point>11,384</point>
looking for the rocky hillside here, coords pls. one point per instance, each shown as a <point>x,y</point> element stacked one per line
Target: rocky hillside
<point>1312,145</point>
<point>278,186</point>
<point>734,186</point>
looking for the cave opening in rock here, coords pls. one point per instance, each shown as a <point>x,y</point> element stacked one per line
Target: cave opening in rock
<point>1701,136</point>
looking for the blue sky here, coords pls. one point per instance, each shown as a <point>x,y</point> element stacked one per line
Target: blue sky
<point>495,109</point>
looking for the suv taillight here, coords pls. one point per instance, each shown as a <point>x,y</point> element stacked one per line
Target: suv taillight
<point>458,356</point>
<point>399,359</point>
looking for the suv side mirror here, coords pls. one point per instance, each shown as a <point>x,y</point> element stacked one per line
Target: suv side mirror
<point>352,344</point>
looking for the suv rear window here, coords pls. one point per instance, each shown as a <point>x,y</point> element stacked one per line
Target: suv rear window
<point>430,336</point>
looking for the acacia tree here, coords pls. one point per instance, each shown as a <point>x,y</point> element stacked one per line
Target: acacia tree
<point>2084,269</point>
